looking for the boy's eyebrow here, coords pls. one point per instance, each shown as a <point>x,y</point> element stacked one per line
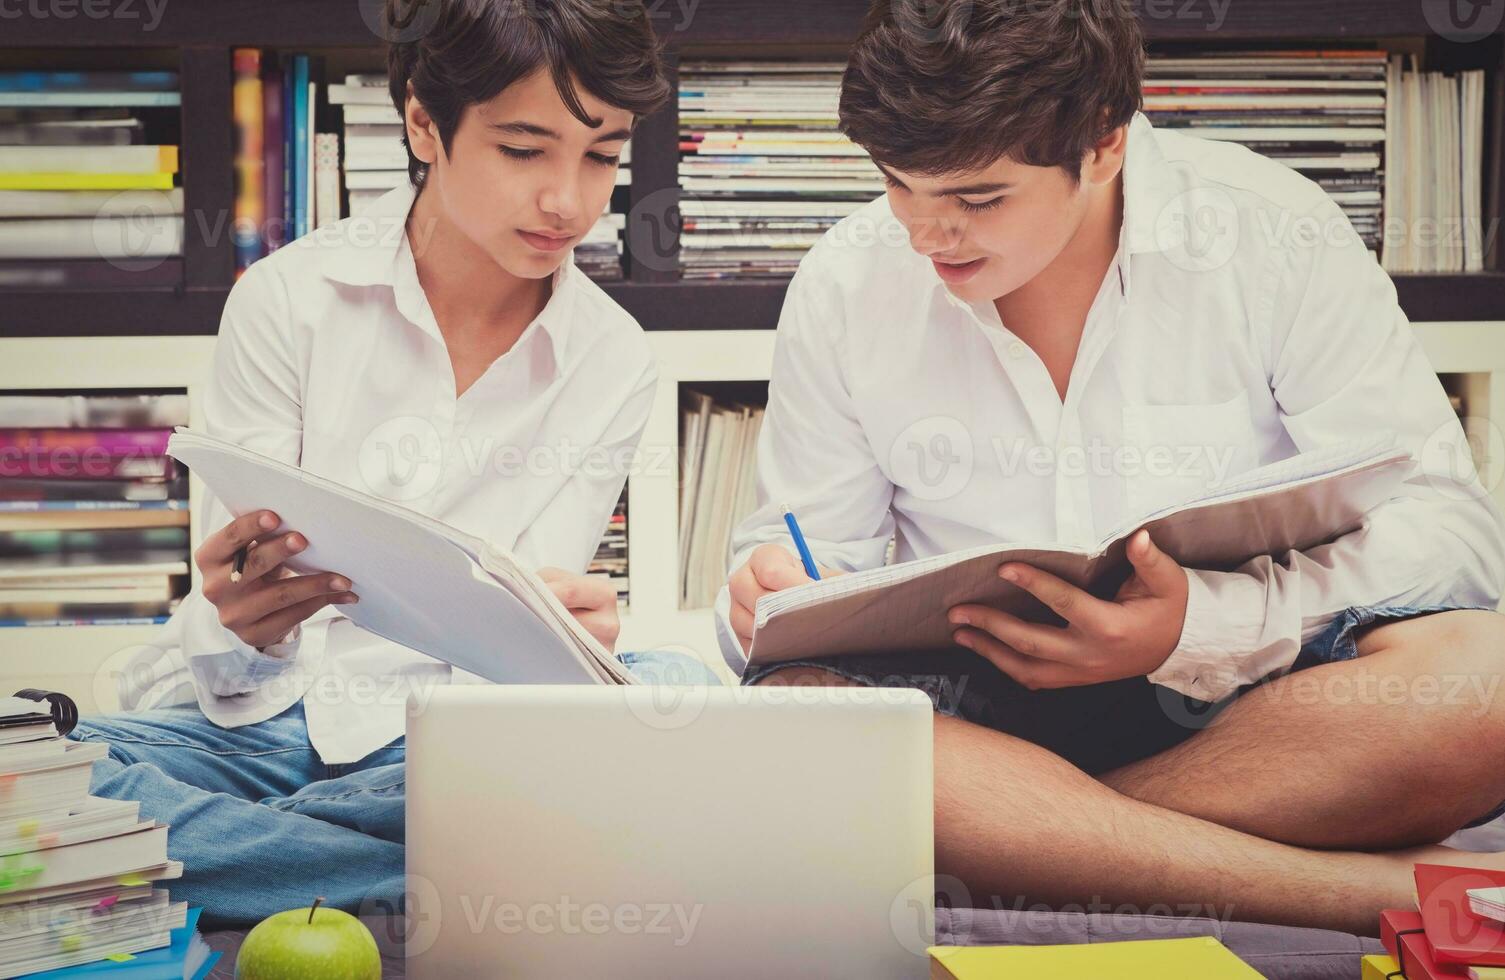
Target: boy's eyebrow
<point>520,128</point>
<point>984,187</point>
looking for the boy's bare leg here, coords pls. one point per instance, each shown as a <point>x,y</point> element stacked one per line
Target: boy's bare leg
<point>1015,822</point>
<point>1398,748</point>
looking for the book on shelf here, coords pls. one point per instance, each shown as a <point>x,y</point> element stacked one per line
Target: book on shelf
<point>81,880</point>
<point>718,461</point>
<point>611,555</point>
<point>89,193</point>
<point>277,185</point>
<point>763,169</point>
<point>1434,178</point>
<point>93,513</point>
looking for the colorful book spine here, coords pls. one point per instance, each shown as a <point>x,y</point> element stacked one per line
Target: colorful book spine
<point>326,179</point>
<point>301,162</point>
<point>111,441</point>
<point>99,160</point>
<point>276,215</point>
<point>250,165</point>
<point>85,182</point>
<point>88,81</point>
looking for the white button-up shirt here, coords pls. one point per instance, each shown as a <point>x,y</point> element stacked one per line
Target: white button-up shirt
<point>1241,322</point>
<point>329,358</point>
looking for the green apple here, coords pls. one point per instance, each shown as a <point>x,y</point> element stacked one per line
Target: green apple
<point>309,944</point>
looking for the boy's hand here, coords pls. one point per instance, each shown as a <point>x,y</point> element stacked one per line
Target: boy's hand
<point>592,601</point>
<point>270,599</point>
<point>1102,641</point>
<point>772,568</point>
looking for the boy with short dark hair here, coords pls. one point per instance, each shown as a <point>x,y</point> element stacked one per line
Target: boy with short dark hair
<point>418,352</point>
<point>1092,319</point>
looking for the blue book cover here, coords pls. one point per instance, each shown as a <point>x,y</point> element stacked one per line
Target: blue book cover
<point>77,81</point>
<point>300,145</point>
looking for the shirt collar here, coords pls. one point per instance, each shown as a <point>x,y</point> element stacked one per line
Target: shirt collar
<point>373,250</point>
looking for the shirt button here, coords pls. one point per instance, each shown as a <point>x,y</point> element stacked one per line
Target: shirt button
<point>1016,350</point>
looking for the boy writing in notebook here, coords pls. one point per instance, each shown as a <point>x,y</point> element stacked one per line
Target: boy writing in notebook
<point>441,351</point>
<point>1057,320</point>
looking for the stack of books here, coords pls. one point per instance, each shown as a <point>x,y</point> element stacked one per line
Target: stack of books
<point>1434,179</point>
<point>375,161</point>
<point>93,513</point>
<point>763,169</point>
<point>611,556</point>
<point>718,473</point>
<point>1446,937</point>
<point>286,181</point>
<point>76,885</point>
<point>88,196</point>
<point>1319,112</point>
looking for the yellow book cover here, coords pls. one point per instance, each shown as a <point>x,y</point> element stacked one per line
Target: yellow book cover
<point>85,182</point>
<point>1486,973</point>
<point>1379,967</point>
<point>1199,958</point>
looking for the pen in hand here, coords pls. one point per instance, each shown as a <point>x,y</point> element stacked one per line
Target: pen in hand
<point>799,544</point>
<point>239,567</point>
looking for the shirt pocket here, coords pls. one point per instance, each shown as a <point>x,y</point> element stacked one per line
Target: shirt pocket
<point>1176,453</point>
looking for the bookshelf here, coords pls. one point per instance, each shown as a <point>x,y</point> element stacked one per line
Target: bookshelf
<point>702,332</point>
<point>197,39</point>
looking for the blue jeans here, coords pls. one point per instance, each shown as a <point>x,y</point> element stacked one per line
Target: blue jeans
<point>260,823</point>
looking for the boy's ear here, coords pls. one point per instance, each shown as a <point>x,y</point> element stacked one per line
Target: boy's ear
<point>1106,159</point>
<point>423,135</point>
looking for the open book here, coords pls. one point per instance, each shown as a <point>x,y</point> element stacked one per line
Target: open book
<point>422,583</point>
<point>1294,504</point>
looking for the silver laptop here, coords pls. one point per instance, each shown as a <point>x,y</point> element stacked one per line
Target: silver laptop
<point>660,832</point>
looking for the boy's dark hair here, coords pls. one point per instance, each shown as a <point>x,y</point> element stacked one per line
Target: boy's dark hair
<point>470,50</point>
<point>940,87</point>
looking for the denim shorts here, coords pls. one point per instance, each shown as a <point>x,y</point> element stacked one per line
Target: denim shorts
<point>1097,727</point>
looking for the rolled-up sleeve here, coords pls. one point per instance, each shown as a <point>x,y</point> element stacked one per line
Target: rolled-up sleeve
<point>1344,361</point>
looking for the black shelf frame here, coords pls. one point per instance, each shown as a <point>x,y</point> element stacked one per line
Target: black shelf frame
<point>204,33</point>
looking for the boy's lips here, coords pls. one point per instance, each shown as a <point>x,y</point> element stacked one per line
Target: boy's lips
<point>957,272</point>
<point>545,241</point>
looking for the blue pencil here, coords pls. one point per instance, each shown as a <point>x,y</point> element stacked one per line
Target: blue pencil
<point>799,543</point>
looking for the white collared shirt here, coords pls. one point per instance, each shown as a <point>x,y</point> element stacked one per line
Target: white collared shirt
<point>329,358</point>
<point>1242,322</point>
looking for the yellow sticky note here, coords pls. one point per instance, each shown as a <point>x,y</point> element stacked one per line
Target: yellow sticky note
<point>120,957</point>
<point>131,881</point>
<point>1379,967</point>
<point>1153,959</point>
<point>28,828</point>
<point>69,944</point>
